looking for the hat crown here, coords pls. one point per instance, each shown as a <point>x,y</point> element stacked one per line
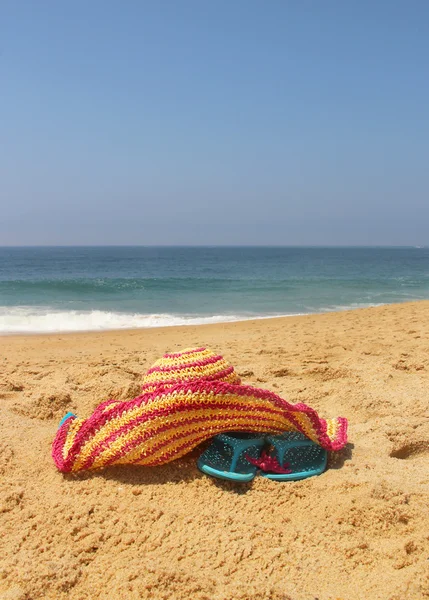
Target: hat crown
<point>190,364</point>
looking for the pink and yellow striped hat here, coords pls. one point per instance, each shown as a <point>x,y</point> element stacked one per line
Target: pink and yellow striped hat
<point>188,397</point>
<point>191,364</point>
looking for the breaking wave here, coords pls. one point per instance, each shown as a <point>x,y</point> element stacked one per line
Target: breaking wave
<point>25,319</point>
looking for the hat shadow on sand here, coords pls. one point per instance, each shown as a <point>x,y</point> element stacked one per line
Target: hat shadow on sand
<point>185,470</point>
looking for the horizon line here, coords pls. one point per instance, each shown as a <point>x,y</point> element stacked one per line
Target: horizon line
<point>214,246</point>
<point>417,246</point>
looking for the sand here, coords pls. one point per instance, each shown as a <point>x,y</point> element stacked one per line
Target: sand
<point>359,531</point>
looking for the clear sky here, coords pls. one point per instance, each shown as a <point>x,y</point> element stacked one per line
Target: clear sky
<point>214,122</point>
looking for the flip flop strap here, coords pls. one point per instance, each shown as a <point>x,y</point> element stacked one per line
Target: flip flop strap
<point>239,446</point>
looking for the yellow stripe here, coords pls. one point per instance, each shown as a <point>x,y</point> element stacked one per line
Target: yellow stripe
<point>153,385</point>
<point>187,373</point>
<point>251,404</point>
<point>104,432</point>
<point>332,428</point>
<point>306,425</point>
<point>215,429</point>
<point>185,357</point>
<point>195,431</point>
<point>74,427</point>
<point>178,423</point>
<point>231,378</point>
<point>194,438</point>
<point>168,400</point>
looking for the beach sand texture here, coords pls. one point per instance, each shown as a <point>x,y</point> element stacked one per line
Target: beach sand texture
<point>359,531</point>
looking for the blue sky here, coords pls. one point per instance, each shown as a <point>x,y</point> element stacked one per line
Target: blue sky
<point>221,122</point>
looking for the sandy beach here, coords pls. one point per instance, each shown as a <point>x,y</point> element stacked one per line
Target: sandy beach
<point>359,531</point>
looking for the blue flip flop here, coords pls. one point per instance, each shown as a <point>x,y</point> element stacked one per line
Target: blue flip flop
<point>298,454</point>
<point>226,459</point>
<point>66,416</point>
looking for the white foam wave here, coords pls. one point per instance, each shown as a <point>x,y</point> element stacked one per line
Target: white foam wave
<point>351,306</point>
<point>25,319</point>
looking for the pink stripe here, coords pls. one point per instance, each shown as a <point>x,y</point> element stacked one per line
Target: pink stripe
<point>180,408</point>
<point>140,439</point>
<point>199,363</point>
<point>190,445</point>
<point>170,382</point>
<point>96,421</point>
<point>179,354</point>
<point>58,445</point>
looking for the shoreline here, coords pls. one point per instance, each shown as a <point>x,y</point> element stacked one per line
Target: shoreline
<point>153,532</point>
<point>184,325</point>
<point>125,329</point>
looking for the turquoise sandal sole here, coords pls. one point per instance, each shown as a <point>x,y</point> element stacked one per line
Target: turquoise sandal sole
<point>225,458</point>
<point>303,457</point>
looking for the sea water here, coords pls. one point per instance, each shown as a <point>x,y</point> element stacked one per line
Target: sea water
<point>49,289</point>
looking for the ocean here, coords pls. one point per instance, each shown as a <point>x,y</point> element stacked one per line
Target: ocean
<point>59,289</point>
